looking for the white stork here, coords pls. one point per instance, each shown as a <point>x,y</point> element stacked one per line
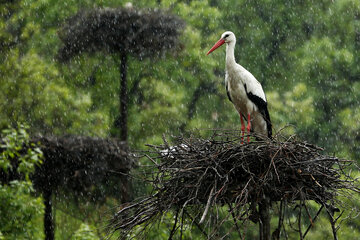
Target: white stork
<point>244,91</point>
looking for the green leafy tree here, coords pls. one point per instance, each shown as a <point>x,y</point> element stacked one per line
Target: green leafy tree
<point>329,64</point>
<point>20,211</point>
<point>33,91</point>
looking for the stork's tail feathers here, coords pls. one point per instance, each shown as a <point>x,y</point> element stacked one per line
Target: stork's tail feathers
<point>268,124</point>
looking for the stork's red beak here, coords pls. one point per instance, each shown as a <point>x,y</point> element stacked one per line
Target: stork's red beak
<point>218,44</point>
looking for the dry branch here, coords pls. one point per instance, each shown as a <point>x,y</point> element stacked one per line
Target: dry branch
<point>219,170</point>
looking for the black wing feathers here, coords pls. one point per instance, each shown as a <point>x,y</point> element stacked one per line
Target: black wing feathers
<point>262,105</point>
<point>227,92</point>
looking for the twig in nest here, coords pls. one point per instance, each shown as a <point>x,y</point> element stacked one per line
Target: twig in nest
<point>332,222</point>
<point>234,219</point>
<point>313,221</point>
<point>299,224</point>
<point>207,205</point>
<point>276,233</point>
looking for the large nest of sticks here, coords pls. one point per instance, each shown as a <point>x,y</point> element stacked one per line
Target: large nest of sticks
<point>86,166</point>
<point>139,32</point>
<point>219,170</point>
<point>91,167</point>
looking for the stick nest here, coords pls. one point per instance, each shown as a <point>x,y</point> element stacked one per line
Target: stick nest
<point>220,170</point>
<point>83,166</point>
<point>142,33</point>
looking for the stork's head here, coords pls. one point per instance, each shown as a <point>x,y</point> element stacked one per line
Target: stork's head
<point>226,37</point>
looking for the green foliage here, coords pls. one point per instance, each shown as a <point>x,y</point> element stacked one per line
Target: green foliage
<point>85,232</point>
<point>33,92</point>
<point>294,108</point>
<point>306,54</point>
<point>16,145</point>
<point>20,211</point>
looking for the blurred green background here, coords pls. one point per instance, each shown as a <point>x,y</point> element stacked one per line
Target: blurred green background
<point>306,54</point>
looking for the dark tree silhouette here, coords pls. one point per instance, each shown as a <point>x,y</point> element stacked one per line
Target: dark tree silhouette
<point>141,33</point>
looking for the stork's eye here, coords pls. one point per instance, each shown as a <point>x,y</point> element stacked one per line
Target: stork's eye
<point>226,35</point>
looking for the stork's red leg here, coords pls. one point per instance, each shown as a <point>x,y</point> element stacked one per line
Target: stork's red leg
<point>242,129</point>
<point>248,128</point>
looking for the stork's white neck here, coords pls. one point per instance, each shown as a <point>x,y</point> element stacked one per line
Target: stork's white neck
<point>230,57</point>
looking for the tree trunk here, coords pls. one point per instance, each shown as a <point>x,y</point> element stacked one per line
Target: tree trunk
<point>264,223</point>
<point>48,216</point>
<point>123,98</point>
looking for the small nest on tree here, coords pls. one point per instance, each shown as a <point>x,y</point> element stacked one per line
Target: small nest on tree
<point>195,174</point>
